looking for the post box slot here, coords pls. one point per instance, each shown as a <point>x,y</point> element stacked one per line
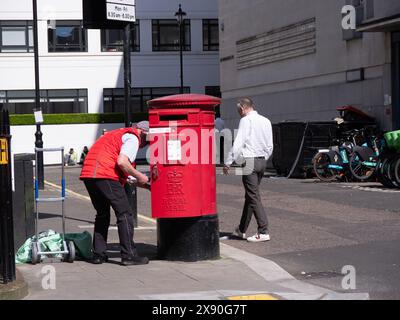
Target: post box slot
<point>174,117</point>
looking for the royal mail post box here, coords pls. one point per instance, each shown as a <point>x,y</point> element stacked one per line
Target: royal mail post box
<point>182,156</point>
<point>183,177</point>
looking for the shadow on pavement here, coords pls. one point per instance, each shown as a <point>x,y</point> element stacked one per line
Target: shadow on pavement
<point>228,236</point>
<point>143,249</point>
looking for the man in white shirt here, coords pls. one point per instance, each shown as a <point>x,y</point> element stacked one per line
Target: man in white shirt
<point>254,144</point>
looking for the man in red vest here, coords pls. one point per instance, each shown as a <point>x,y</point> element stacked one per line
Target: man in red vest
<point>107,167</point>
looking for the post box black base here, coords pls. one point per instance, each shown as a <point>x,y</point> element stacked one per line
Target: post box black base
<point>188,239</point>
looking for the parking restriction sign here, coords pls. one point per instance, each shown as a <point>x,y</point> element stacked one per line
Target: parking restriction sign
<point>3,151</point>
<point>121,10</point>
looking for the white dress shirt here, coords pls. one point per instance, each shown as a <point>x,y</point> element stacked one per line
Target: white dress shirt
<point>254,139</point>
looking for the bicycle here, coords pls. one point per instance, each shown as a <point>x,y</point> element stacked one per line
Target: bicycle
<point>364,160</point>
<point>334,163</point>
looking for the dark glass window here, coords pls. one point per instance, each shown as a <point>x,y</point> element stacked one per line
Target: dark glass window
<point>166,35</point>
<point>114,98</point>
<point>51,101</point>
<point>210,35</point>
<point>67,36</point>
<point>113,40</point>
<point>16,36</point>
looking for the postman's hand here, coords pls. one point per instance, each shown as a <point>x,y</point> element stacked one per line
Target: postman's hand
<point>142,179</point>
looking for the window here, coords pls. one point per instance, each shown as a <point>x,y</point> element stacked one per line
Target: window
<point>16,36</point>
<point>113,40</point>
<point>67,36</point>
<point>51,101</point>
<point>166,35</point>
<point>214,91</point>
<point>210,35</point>
<point>114,98</point>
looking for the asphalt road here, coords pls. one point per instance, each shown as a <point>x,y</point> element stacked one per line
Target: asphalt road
<point>316,229</point>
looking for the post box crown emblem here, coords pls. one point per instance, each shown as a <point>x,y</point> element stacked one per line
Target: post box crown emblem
<point>175,177</point>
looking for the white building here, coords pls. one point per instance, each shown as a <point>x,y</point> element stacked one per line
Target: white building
<point>81,71</point>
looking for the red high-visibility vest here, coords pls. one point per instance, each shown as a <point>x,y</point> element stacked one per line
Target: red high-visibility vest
<point>101,161</point>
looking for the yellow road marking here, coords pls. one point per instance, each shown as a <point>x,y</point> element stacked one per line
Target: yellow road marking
<point>82,197</point>
<point>253,297</point>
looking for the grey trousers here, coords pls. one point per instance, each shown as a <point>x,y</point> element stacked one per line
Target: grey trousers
<point>253,204</point>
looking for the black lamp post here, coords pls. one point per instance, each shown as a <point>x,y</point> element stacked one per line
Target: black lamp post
<point>38,134</point>
<point>127,74</point>
<point>131,191</point>
<point>180,16</point>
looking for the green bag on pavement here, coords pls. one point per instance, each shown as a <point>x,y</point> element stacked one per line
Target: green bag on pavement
<point>83,243</point>
<point>52,241</point>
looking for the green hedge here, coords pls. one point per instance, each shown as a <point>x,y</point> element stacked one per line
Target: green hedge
<point>75,118</point>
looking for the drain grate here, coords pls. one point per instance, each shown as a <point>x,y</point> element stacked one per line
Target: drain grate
<point>320,275</point>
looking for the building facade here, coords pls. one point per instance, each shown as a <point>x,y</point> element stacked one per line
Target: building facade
<point>81,71</point>
<point>298,62</point>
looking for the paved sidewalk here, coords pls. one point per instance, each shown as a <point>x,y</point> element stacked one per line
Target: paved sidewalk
<point>237,274</point>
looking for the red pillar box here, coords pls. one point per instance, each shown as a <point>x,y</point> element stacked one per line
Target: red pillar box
<point>182,164</point>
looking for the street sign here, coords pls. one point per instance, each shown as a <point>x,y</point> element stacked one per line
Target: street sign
<point>3,151</point>
<point>108,14</point>
<point>125,2</point>
<point>121,10</point>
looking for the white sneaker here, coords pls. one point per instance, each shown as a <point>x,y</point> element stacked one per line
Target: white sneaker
<point>259,237</point>
<point>239,234</point>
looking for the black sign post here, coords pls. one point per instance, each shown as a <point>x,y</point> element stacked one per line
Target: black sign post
<point>38,134</point>
<point>127,74</point>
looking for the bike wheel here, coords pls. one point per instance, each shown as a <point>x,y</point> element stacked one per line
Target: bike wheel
<point>359,170</point>
<point>321,164</point>
<point>392,171</point>
<point>397,169</point>
<point>380,173</point>
<point>384,175</point>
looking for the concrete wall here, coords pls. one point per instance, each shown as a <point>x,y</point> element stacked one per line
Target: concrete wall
<point>386,8</point>
<point>310,86</point>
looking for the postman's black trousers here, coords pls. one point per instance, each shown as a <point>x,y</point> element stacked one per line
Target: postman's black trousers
<point>105,194</point>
